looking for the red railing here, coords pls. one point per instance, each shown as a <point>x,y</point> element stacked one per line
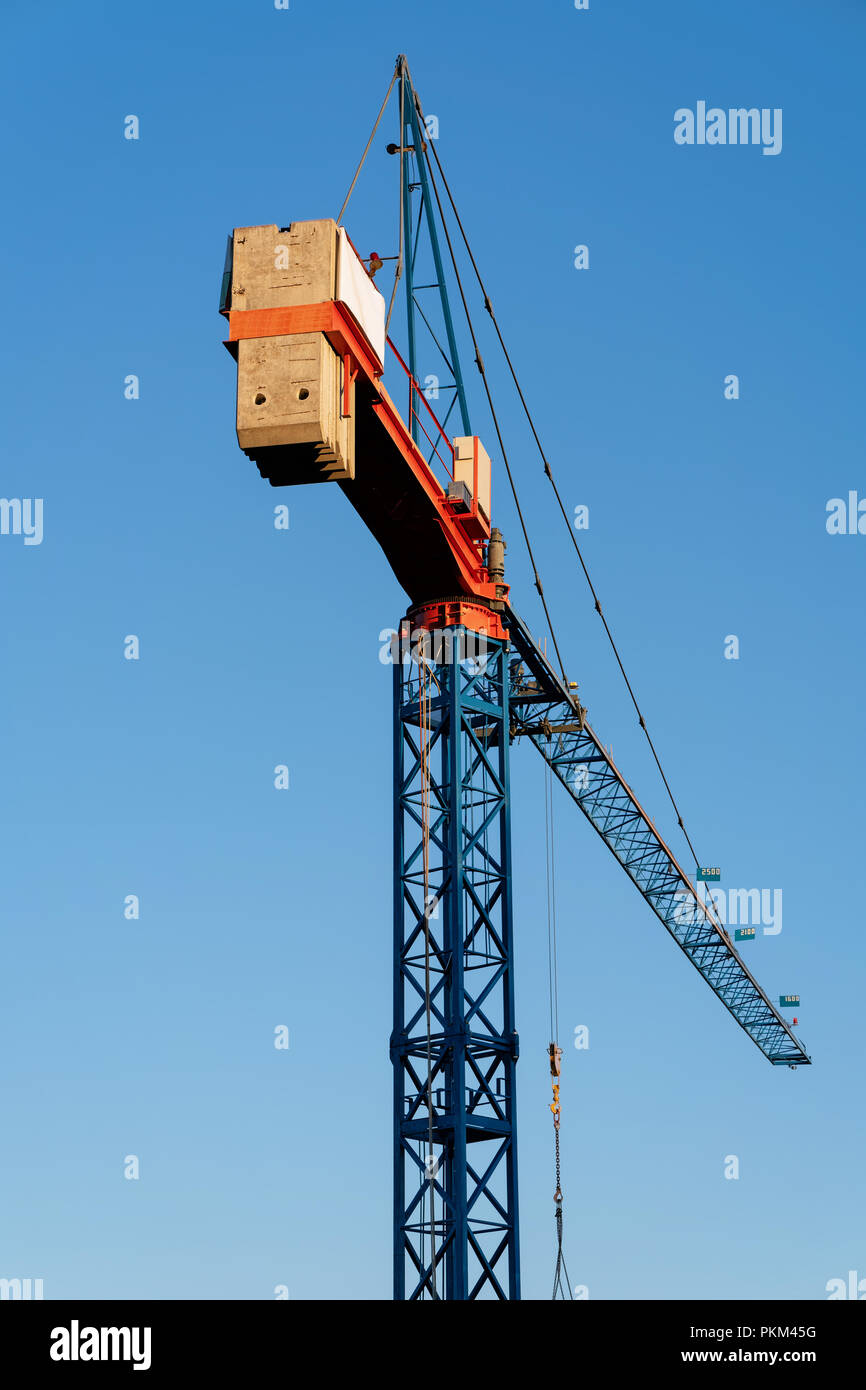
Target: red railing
<point>441,448</point>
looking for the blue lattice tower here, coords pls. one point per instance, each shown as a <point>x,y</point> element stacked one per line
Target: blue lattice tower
<point>453,1080</point>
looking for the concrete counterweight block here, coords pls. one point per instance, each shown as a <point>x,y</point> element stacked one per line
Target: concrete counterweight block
<point>290,388</point>
<point>282,268</point>
<point>290,393</point>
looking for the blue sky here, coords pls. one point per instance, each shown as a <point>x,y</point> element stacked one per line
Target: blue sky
<point>707,518</point>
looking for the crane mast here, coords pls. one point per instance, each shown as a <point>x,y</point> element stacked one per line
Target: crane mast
<point>307,327</point>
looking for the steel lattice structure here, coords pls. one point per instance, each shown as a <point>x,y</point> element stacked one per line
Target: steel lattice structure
<point>545,712</point>
<point>453,928</point>
<point>414,179</point>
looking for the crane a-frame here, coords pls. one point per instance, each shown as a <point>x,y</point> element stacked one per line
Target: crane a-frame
<point>307,327</point>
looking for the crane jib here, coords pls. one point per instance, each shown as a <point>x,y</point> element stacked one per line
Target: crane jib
<point>544,712</point>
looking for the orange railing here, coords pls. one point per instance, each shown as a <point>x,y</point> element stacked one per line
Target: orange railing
<point>441,448</point>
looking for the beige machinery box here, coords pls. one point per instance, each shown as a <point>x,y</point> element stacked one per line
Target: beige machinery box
<point>472,467</point>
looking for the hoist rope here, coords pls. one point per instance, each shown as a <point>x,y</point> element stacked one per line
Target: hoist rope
<point>552,970</point>
<point>554,1051</point>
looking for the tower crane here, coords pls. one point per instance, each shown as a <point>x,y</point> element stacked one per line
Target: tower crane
<point>308,328</point>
